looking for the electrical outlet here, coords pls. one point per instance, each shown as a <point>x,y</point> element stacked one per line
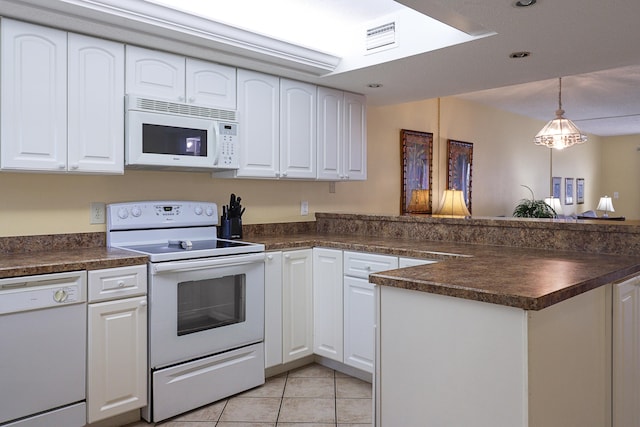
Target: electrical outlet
<point>304,207</point>
<point>616,195</point>
<point>97,214</point>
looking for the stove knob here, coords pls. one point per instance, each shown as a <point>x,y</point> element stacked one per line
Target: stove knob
<point>209,212</point>
<point>198,210</point>
<point>136,211</point>
<point>123,213</point>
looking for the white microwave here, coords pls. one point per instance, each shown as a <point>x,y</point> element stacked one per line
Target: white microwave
<point>169,135</point>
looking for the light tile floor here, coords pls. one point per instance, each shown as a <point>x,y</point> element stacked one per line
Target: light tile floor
<point>311,396</point>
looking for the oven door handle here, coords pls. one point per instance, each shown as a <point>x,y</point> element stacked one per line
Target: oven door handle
<point>201,264</point>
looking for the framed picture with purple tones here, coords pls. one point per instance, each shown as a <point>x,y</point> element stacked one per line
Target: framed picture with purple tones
<point>556,186</point>
<point>568,191</point>
<point>579,191</point>
<point>417,154</point>
<point>459,168</point>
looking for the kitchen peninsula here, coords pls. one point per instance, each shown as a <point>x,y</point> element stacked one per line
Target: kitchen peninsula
<point>497,335</point>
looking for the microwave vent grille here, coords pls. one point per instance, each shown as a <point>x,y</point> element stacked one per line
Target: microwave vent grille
<point>160,106</point>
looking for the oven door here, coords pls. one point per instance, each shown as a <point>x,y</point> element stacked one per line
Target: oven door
<point>204,306</point>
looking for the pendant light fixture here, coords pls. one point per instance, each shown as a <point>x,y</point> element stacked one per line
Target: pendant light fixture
<point>560,132</point>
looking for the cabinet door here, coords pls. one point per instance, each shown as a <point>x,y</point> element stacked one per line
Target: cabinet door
<point>327,303</point>
<point>626,353</point>
<point>96,105</point>
<point>211,85</point>
<point>297,305</point>
<point>297,129</point>
<point>355,138</point>
<point>359,323</point>
<point>116,357</point>
<point>259,134</point>
<point>330,134</point>
<point>273,309</point>
<point>155,74</point>
<point>33,97</point>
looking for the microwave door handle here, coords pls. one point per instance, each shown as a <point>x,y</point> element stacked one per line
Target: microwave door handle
<point>227,261</point>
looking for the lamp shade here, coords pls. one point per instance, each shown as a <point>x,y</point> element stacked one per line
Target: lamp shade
<point>453,204</point>
<point>419,202</point>
<point>605,205</point>
<point>554,202</point>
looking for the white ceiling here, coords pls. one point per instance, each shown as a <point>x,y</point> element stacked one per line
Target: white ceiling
<point>592,44</point>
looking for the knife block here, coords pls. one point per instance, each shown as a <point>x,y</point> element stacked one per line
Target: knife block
<point>235,228</point>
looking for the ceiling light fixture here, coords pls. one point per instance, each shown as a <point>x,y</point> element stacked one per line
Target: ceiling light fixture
<point>374,85</point>
<point>560,132</point>
<point>521,54</point>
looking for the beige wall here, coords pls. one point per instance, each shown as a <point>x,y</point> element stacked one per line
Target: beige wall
<point>621,174</point>
<point>504,158</point>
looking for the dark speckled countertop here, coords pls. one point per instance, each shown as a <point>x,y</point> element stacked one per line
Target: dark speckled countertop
<point>531,279</point>
<point>60,260</point>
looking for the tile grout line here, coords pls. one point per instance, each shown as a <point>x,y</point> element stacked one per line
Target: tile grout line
<point>335,398</point>
<point>286,378</point>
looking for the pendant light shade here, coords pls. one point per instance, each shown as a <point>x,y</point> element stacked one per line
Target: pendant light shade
<point>560,132</point>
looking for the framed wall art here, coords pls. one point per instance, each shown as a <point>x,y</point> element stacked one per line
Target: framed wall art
<point>460,168</point>
<point>579,191</point>
<point>556,184</point>
<point>417,157</point>
<point>568,191</point>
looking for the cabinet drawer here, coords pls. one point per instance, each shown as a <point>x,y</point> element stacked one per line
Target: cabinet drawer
<point>410,262</point>
<point>112,283</point>
<point>359,264</point>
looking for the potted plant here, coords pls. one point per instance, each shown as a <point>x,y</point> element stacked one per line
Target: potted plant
<point>532,208</point>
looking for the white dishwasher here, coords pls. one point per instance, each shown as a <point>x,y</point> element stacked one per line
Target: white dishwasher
<point>43,325</point>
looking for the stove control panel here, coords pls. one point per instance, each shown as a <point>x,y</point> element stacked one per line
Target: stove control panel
<point>160,214</point>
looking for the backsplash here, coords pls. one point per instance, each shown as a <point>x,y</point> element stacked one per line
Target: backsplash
<point>622,238</point>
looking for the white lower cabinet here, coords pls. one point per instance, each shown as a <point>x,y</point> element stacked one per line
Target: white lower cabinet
<point>359,306</point>
<point>297,304</point>
<point>327,303</point>
<point>116,342</point>
<point>273,309</point>
<point>626,353</point>
<point>359,323</point>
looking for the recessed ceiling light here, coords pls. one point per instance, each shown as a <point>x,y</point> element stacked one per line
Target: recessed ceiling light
<point>374,85</point>
<point>525,3</point>
<point>521,54</point>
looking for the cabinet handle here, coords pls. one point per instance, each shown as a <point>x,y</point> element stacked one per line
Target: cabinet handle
<point>62,166</point>
<point>75,167</point>
<point>192,100</point>
<point>181,98</point>
<point>368,268</point>
<point>284,174</point>
<point>121,284</point>
<point>277,174</point>
<point>287,256</point>
<point>143,303</point>
<point>269,257</point>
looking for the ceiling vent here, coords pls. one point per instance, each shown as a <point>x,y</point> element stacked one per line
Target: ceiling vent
<point>381,37</point>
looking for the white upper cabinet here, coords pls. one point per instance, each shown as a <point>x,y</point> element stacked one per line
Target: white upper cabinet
<point>95,110</point>
<point>62,101</point>
<point>175,78</point>
<point>342,139</point>
<point>211,84</point>
<point>355,140</point>
<point>297,129</point>
<point>33,97</point>
<point>259,130</point>
<point>155,74</point>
